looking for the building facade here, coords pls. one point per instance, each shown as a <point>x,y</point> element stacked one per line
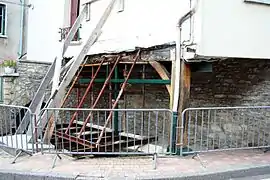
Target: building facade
<point>209,35</point>
<point>13,32</point>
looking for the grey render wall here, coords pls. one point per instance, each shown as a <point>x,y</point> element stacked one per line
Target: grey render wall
<point>9,45</point>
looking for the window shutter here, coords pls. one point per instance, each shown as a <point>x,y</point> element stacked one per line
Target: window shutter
<point>74,13</point>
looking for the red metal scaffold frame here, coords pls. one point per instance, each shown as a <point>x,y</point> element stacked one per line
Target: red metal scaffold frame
<point>96,101</point>
<point>77,139</point>
<point>117,99</point>
<point>84,96</point>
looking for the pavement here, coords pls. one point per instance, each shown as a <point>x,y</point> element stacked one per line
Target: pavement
<point>234,165</point>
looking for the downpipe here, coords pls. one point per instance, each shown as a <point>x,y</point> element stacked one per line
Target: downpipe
<point>21,30</point>
<point>178,57</point>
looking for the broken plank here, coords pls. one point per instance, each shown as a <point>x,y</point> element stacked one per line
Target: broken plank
<point>91,125</point>
<point>129,135</point>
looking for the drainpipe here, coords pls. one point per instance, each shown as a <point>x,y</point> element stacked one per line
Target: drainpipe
<point>178,57</point>
<point>188,15</point>
<point>21,29</point>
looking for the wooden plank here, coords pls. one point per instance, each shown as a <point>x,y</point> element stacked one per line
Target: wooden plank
<point>86,133</point>
<point>74,29</point>
<point>184,96</point>
<point>63,129</point>
<point>172,84</point>
<point>130,135</point>
<point>37,100</point>
<point>72,70</point>
<point>91,125</point>
<point>163,73</point>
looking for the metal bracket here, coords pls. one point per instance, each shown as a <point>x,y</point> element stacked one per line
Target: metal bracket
<point>121,5</point>
<point>88,12</point>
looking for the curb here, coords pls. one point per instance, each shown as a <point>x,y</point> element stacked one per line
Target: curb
<point>240,173</point>
<point>15,175</point>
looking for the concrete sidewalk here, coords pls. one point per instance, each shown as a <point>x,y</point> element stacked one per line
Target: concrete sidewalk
<point>218,165</point>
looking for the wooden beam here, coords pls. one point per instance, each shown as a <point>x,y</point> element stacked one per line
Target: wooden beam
<point>172,84</point>
<point>59,95</point>
<point>124,62</point>
<point>185,81</point>
<point>163,73</point>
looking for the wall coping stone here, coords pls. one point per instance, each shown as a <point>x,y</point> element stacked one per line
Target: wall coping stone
<point>10,75</point>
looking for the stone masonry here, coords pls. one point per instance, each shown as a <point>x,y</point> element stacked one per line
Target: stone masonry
<point>20,89</point>
<point>235,82</point>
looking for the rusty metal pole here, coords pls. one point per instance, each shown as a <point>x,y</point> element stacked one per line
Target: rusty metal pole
<point>84,96</point>
<point>118,97</point>
<point>99,95</point>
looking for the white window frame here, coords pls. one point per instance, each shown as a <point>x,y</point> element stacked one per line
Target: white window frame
<point>5,34</point>
<point>259,1</point>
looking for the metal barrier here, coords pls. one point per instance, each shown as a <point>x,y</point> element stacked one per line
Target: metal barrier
<point>11,118</point>
<point>224,128</point>
<point>130,132</point>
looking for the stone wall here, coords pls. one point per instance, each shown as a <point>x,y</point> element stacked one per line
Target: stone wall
<point>232,83</point>
<point>20,88</point>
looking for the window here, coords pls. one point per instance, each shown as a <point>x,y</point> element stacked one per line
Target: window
<point>259,1</point>
<point>3,20</point>
<point>74,13</point>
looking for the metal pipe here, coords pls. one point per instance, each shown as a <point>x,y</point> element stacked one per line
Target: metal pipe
<point>21,29</point>
<point>99,95</point>
<point>83,98</point>
<point>118,97</point>
<point>185,17</point>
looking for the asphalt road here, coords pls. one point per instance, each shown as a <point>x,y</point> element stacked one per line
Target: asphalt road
<point>260,173</point>
<point>260,177</point>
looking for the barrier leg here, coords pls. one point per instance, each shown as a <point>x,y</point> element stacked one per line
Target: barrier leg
<point>19,154</point>
<point>54,160</point>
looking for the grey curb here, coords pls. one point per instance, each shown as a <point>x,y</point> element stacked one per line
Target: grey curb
<point>16,175</point>
<point>247,172</point>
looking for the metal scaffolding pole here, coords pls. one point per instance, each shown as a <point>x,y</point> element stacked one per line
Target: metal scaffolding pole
<point>84,96</point>
<point>118,97</point>
<point>99,95</point>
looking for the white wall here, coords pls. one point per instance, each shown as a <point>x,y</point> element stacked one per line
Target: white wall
<point>234,28</point>
<point>222,28</point>
<point>143,23</point>
<point>44,22</point>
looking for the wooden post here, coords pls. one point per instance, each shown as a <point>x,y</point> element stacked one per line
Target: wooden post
<point>172,84</point>
<point>184,96</point>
